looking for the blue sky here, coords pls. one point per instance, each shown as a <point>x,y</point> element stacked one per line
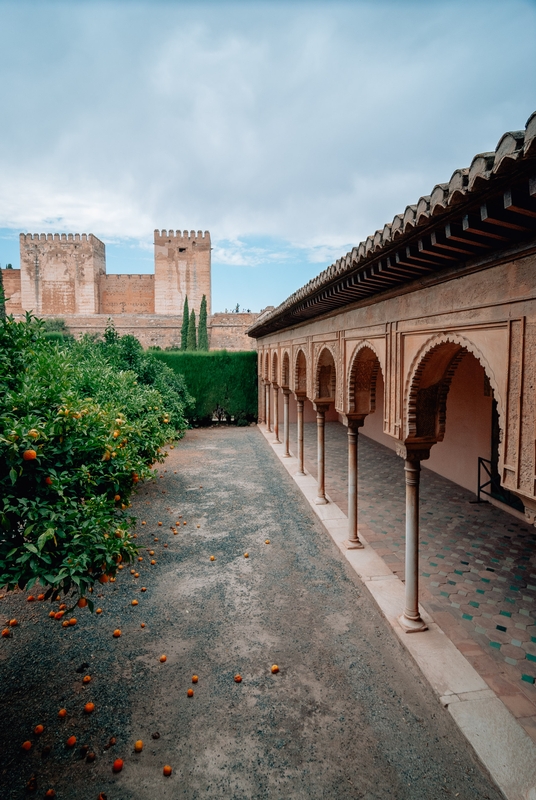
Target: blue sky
<point>290,130</point>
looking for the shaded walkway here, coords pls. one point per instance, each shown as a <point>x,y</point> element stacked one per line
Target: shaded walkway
<point>477,562</point>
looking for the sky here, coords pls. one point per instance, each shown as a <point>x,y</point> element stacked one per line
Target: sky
<point>290,130</point>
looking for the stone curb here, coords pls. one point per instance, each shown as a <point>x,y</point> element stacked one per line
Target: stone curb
<point>504,748</point>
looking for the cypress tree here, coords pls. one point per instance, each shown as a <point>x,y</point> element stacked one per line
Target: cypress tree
<point>202,332</point>
<point>184,327</point>
<point>192,343</point>
<point>3,298</point>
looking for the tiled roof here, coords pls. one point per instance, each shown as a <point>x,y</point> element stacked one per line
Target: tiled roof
<point>487,171</point>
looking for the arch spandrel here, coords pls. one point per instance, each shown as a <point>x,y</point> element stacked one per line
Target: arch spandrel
<point>428,382</point>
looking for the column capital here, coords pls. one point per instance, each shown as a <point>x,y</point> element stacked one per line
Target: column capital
<point>321,406</point>
<point>275,385</point>
<point>414,451</point>
<point>285,390</point>
<point>353,421</point>
<point>300,395</point>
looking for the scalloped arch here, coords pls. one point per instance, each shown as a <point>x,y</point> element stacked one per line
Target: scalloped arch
<point>266,365</point>
<point>420,361</point>
<point>285,368</point>
<point>300,372</point>
<point>275,364</point>
<point>364,345</point>
<point>333,379</point>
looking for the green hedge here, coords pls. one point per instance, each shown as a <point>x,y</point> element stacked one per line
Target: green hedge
<point>223,383</point>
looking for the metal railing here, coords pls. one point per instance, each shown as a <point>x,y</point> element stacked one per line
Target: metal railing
<point>489,483</point>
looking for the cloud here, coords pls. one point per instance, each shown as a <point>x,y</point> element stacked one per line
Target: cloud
<point>307,125</point>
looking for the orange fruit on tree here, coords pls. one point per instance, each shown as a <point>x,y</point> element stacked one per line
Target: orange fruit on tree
<point>103,579</point>
<point>194,678</point>
<point>117,498</point>
<point>48,480</point>
<point>117,633</point>
<point>71,741</point>
<point>117,765</point>
<point>167,770</point>
<point>163,658</point>
<point>138,746</point>
<point>62,713</point>
<point>238,678</point>
<point>190,692</point>
<point>26,745</point>
<point>33,433</point>
<point>89,708</point>
<point>38,729</point>
<point>86,679</point>
<point>29,455</point>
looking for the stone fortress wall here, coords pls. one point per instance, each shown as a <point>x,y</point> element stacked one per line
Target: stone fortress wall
<point>64,276</point>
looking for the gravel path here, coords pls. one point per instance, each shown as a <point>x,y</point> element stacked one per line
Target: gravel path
<point>347,716</point>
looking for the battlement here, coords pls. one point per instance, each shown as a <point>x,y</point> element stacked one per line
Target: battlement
<point>60,237</point>
<point>181,235</point>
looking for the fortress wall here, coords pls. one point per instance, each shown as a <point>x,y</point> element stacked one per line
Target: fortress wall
<point>224,332</point>
<point>229,332</point>
<point>11,280</point>
<point>60,274</point>
<point>126,294</point>
<point>182,267</point>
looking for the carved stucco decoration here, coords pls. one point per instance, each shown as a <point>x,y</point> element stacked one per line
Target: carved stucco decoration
<point>275,371</point>
<point>300,372</point>
<point>426,405</point>
<point>285,368</point>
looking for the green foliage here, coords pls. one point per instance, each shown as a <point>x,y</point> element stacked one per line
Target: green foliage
<point>80,424</point>
<point>192,340</point>
<point>2,298</point>
<point>184,326</point>
<point>55,326</point>
<point>223,383</point>
<point>202,332</point>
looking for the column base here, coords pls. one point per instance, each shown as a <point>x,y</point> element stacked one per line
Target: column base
<point>412,625</point>
<point>351,544</point>
<point>300,473</point>
<point>277,441</point>
<point>320,501</point>
<point>286,455</point>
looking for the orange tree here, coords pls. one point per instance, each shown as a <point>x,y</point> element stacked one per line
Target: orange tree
<point>81,423</point>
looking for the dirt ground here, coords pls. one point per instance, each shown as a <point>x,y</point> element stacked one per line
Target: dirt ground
<point>347,716</point>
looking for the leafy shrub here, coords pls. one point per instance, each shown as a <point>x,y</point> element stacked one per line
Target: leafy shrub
<point>223,383</point>
<point>80,424</point>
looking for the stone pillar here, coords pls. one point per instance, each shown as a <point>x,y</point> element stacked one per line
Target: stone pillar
<point>353,542</point>
<point>276,412</point>
<point>286,394</point>
<point>300,401</point>
<point>321,409</point>
<point>261,396</point>
<point>411,619</point>
<point>268,415</point>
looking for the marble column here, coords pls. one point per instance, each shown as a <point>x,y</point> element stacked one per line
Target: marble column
<point>286,394</point>
<point>321,409</point>
<point>353,542</point>
<point>411,619</point>
<point>276,411</point>
<point>300,401</point>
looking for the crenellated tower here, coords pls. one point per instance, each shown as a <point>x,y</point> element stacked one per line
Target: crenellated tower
<point>60,273</point>
<point>181,267</point>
